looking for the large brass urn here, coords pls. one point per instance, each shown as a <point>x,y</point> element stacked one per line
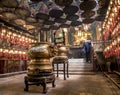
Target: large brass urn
<point>40,54</point>
<point>62,54</point>
<point>61,58</point>
<point>40,69</point>
<point>62,50</point>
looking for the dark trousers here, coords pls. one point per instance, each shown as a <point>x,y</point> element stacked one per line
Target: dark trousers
<point>87,55</point>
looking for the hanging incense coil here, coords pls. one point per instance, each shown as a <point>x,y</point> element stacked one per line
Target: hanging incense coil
<point>72,17</point>
<point>48,22</point>
<point>1,9</point>
<point>22,13</point>
<point>10,3</point>
<point>70,10</point>
<point>64,26</point>
<point>87,21</point>
<point>56,13</point>
<point>29,27</point>
<point>9,16</point>
<point>63,2</point>
<point>45,29</point>
<point>60,20</point>
<point>100,18</point>
<point>42,16</point>
<point>76,23</point>
<point>102,10</point>
<point>31,20</point>
<point>53,27</point>
<point>88,5</point>
<point>35,0</point>
<point>88,14</point>
<point>20,22</point>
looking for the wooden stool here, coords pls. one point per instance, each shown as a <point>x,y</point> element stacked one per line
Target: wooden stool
<point>65,67</point>
<point>39,81</point>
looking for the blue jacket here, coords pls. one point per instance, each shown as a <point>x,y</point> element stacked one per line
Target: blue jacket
<point>87,47</point>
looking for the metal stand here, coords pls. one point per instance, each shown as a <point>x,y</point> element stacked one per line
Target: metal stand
<point>39,81</point>
<point>65,67</point>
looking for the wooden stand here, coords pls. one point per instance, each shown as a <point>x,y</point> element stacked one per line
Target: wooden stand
<point>65,67</point>
<point>39,81</point>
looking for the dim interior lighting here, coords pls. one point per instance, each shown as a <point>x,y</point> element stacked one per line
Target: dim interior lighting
<point>108,9</point>
<point>107,13</point>
<point>29,39</point>
<point>5,51</point>
<point>111,19</point>
<point>9,33</point>
<point>3,30</point>
<point>119,2</point>
<point>60,34</point>
<point>16,52</point>
<point>115,9</point>
<point>32,40</point>
<point>79,33</point>
<point>65,29</point>
<point>20,52</point>
<point>108,47</point>
<point>19,35</point>
<point>1,50</point>
<point>111,2</point>
<point>118,39</point>
<point>76,28</point>
<point>99,29</point>
<point>2,34</point>
<point>85,34</point>
<point>23,37</point>
<point>24,25</point>
<point>114,42</point>
<point>86,27</point>
<point>11,51</point>
<point>14,34</point>
<point>112,14</point>
<point>108,23</point>
<point>23,52</point>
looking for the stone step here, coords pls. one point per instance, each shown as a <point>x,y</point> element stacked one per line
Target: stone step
<point>77,67</point>
<point>80,70</point>
<point>78,73</point>
<point>80,66</point>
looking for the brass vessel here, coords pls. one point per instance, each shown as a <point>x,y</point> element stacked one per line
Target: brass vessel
<point>62,54</point>
<point>62,51</point>
<point>40,70</point>
<point>40,54</point>
<point>61,58</point>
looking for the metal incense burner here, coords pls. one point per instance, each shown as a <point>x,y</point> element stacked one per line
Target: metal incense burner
<point>62,54</point>
<point>61,58</point>
<point>40,71</point>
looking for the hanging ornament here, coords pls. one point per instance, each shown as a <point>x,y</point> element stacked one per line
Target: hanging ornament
<point>63,2</point>
<point>88,5</point>
<point>9,3</point>
<point>55,12</point>
<point>24,4</point>
<point>36,0</point>
<point>42,11</point>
